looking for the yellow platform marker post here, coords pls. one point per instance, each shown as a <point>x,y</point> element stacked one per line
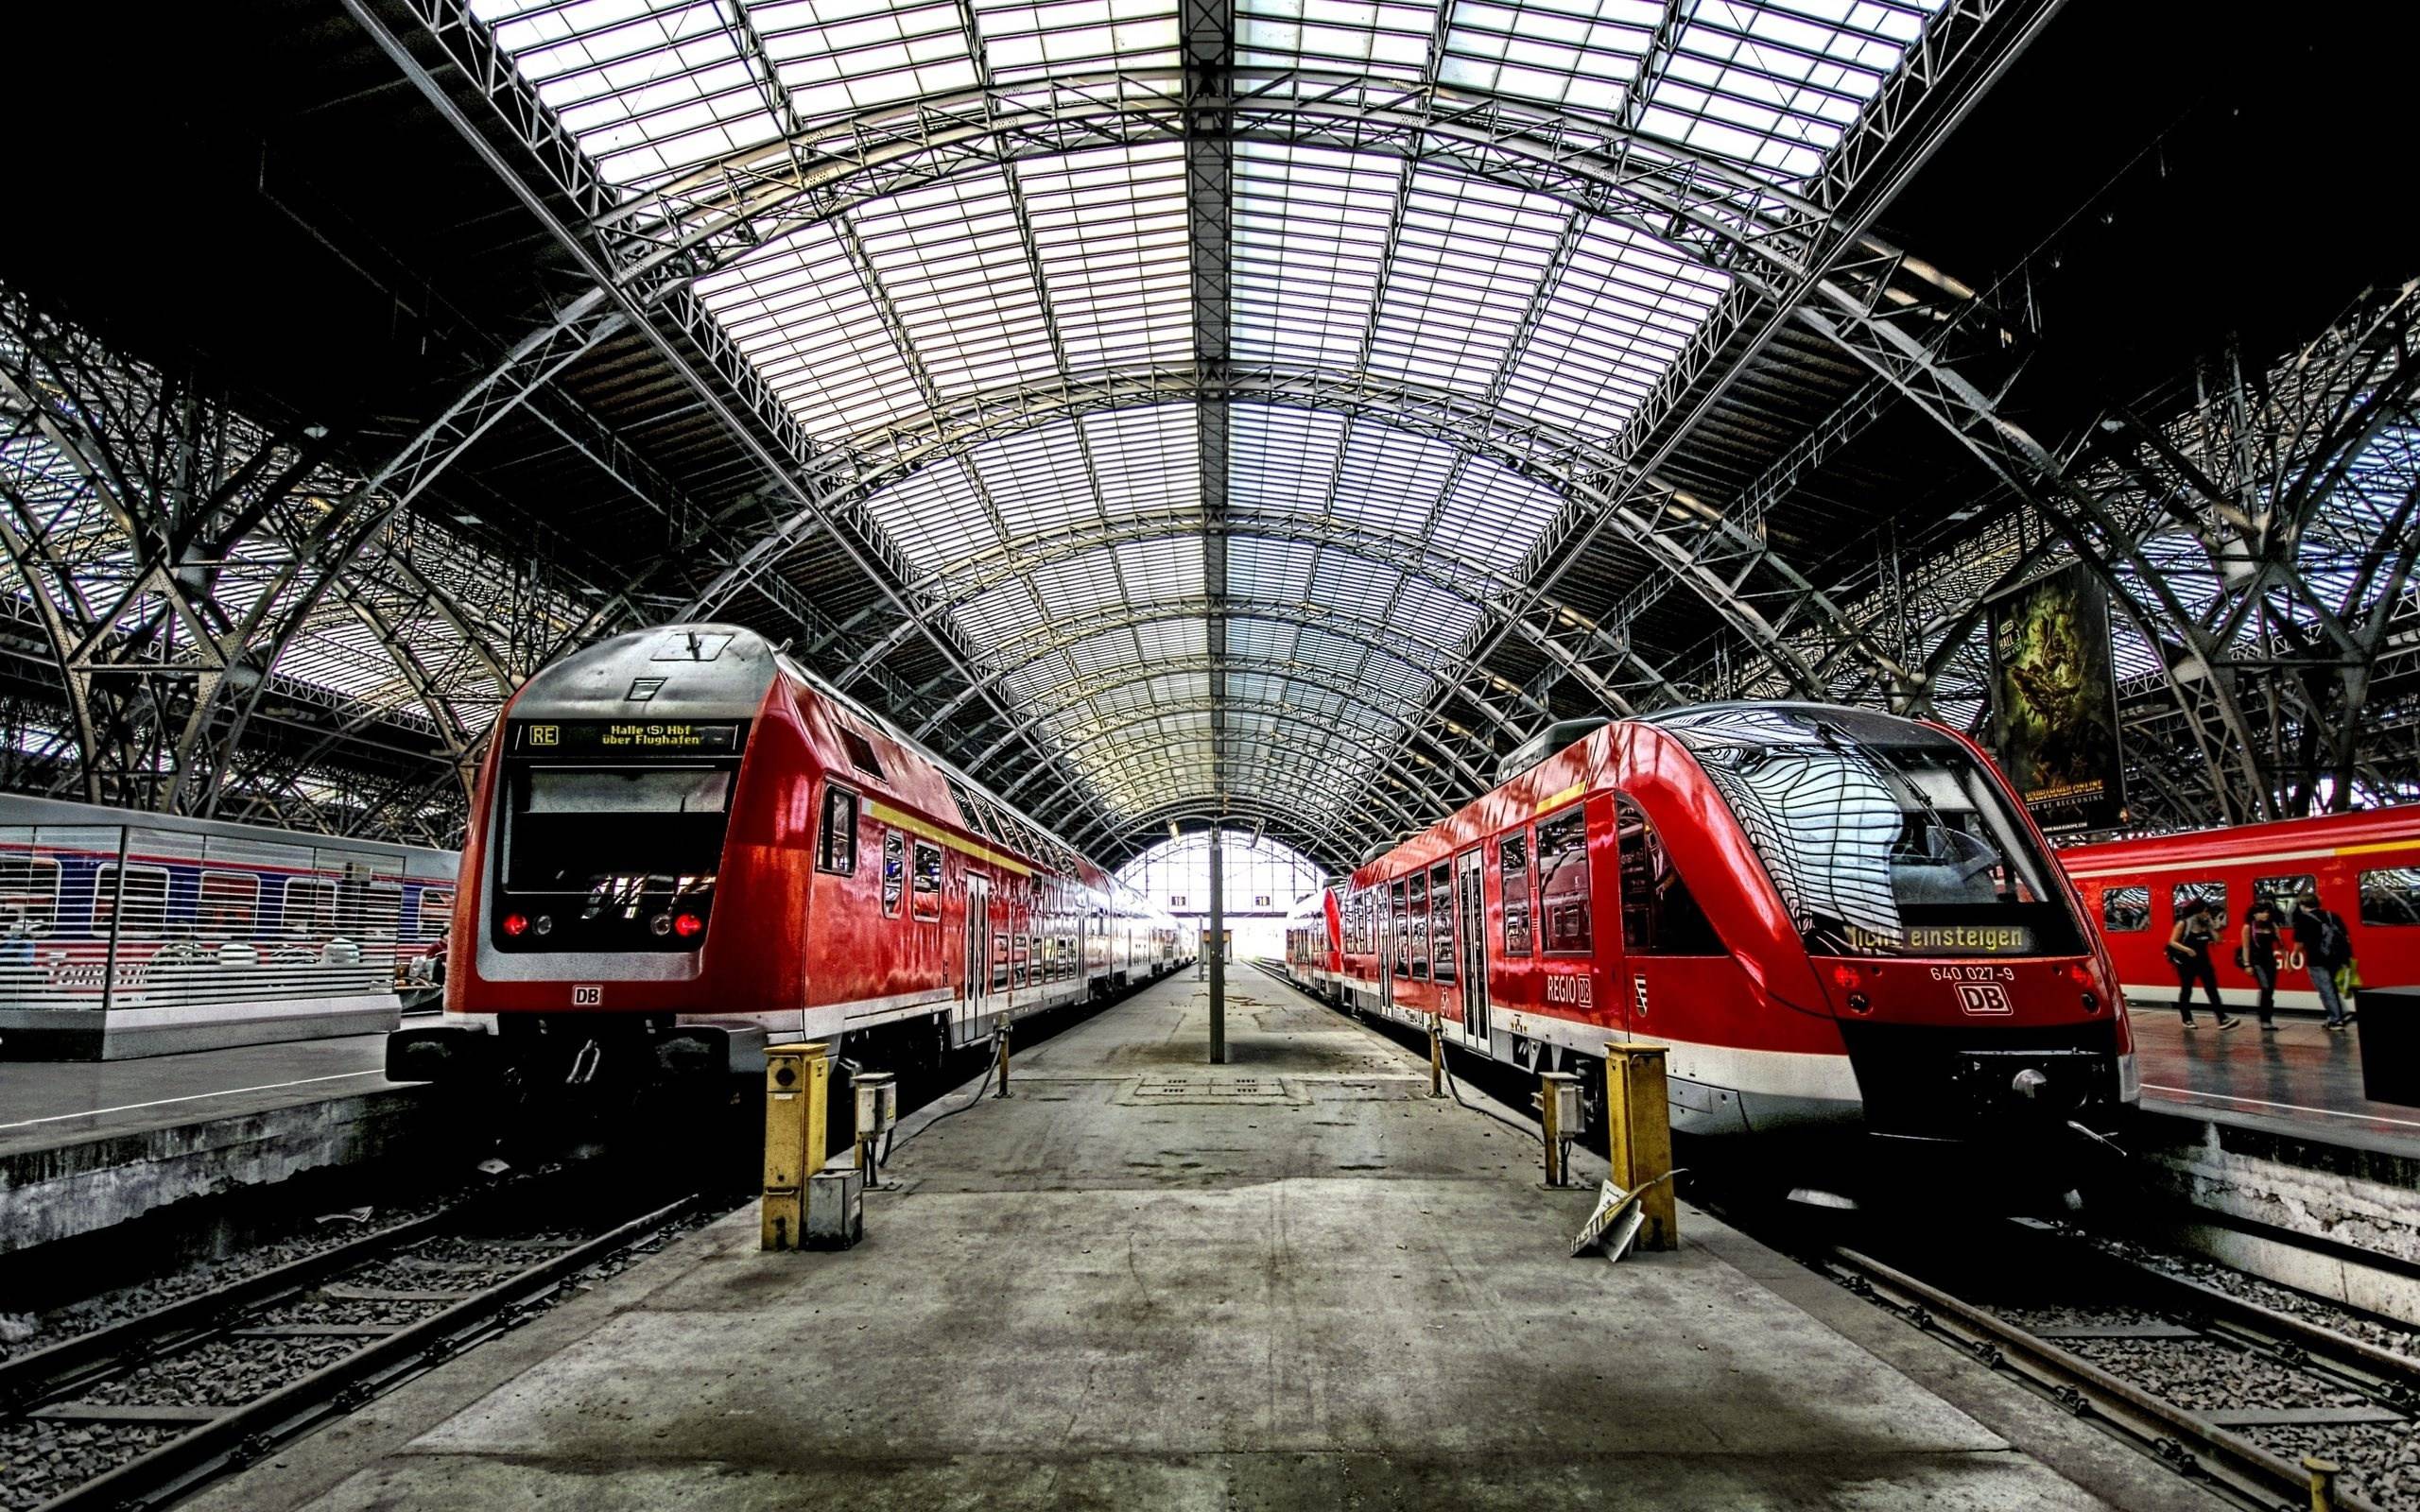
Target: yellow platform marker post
<point>2322,1474</point>
<point>798,1081</point>
<point>1638,1138</point>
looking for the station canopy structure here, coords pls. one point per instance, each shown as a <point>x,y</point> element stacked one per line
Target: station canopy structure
<point>1273,410</point>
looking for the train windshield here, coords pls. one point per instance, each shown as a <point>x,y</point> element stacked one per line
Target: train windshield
<point>626,842</point>
<point>1882,838</point>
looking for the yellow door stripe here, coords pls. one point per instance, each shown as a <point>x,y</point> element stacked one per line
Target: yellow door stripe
<point>913,825</point>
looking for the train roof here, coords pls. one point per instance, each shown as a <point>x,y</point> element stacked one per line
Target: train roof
<point>22,812</point>
<point>1867,726</point>
<point>2281,839</point>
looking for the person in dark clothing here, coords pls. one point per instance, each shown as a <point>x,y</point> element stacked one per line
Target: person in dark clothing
<point>2327,945</point>
<point>2189,951</point>
<point>2259,954</point>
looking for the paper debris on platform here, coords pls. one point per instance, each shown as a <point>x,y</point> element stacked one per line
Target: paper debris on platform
<point>1614,1225</point>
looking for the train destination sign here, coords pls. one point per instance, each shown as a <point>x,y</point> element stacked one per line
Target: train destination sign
<point>1946,939</point>
<point>624,737</point>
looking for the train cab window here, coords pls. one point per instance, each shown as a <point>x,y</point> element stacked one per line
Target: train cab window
<point>2283,893</point>
<point>2185,894</point>
<point>1660,916</point>
<point>2391,897</point>
<point>603,857</point>
<point>1419,916</point>
<point>1563,883</point>
<point>894,870</point>
<point>2126,910</point>
<point>929,882</point>
<point>1402,930</point>
<point>1443,911</point>
<point>227,904</point>
<point>140,908</point>
<point>29,894</point>
<point>1513,859</point>
<point>836,843</point>
<point>860,751</point>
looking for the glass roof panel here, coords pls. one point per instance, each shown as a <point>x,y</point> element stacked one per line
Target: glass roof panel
<point>1309,255</point>
<point>1469,260</point>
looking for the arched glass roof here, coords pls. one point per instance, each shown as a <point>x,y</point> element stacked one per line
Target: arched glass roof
<point>998,240</point>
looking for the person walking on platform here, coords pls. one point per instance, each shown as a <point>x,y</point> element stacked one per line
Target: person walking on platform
<point>2258,956</point>
<point>2189,951</point>
<point>2327,945</point>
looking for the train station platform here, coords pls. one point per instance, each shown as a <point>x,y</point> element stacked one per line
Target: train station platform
<point>86,1146</point>
<point>1141,1280</point>
<point>2301,1081</point>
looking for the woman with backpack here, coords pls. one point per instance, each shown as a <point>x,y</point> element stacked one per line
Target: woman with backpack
<point>2258,954</point>
<point>2189,951</point>
<point>2328,948</point>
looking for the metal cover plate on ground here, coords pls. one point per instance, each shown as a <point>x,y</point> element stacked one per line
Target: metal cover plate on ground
<point>1244,1091</point>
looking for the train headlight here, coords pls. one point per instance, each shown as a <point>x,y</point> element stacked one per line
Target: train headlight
<point>689,926</point>
<point>1860,1002</point>
<point>660,925</point>
<point>516,925</point>
<point>546,924</point>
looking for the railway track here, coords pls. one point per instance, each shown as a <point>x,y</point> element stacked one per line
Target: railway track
<point>136,1414</point>
<point>2247,1398</point>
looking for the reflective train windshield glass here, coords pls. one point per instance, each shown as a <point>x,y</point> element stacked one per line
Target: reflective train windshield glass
<point>619,835</point>
<point>1888,847</point>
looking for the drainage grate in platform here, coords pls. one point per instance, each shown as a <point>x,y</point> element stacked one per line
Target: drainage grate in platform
<point>1206,1090</point>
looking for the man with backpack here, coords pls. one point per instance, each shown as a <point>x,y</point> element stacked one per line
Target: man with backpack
<point>2327,948</point>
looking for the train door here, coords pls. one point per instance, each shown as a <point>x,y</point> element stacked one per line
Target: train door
<point>974,1001</point>
<point>1389,927</point>
<point>1470,944</point>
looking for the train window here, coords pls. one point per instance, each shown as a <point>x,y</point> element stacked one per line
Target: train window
<point>1402,930</point>
<point>1563,883</point>
<point>2391,897</point>
<point>309,909</point>
<point>836,844</point>
<point>1659,915</point>
<point>894,870</point>
<point>141,903</point>
<point>2126,910</point>
<point>382,911</point>
<point>28,895</point>
<point>1441,907</point>
<point>2283,893</point>
<point>860,751</point>
<point>999,961</point>
<point>436,912</point>
<point>1513,858</point>
<point>1419,917</point>
<point>227,904</point>
<point>929,882</point>
<point>2185,894</point>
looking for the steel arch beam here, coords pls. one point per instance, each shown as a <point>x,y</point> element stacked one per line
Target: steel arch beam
<point>1276,824</point>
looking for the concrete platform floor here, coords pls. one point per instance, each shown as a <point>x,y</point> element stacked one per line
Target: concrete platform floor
<point>1142,1281</point>
<point>2301,1081</point>
<point>85,1145</point>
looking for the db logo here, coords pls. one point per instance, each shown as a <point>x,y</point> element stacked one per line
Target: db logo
<point>1982,997</point>
<point>592,995</point>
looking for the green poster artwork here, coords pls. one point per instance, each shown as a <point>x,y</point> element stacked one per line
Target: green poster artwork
<point>2054,700</point>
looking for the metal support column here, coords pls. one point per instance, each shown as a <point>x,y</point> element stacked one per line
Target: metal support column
<point>1218,952</point>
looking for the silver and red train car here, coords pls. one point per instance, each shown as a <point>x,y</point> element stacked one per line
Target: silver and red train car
<point>2365,865</point>
<point>683,846</point>
<point>1835,919</point>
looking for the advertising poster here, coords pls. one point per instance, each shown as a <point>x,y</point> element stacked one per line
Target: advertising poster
<point>2054,700</point>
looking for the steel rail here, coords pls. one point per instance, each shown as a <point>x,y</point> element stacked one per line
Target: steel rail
<point>2175,1435</point>
<point>244,1434</point>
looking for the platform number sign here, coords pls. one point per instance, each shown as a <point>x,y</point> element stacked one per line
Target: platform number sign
<point>587,994</point>
<point>1982,998</point>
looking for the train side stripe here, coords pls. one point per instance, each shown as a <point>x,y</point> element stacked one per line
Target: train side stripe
<point>913,825</point>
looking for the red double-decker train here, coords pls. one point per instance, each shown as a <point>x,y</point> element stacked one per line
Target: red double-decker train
<point>685,845</point>
<point>1835,919</point>
<point>2364,866</point>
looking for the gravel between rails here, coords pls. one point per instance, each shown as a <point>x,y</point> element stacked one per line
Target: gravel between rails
<point>2385,1333</point>
<point>40,1460</point>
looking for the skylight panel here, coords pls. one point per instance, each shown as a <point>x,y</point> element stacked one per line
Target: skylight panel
<point>1344,36</point>
<point>998,616</point>
<point>1494,516</point>
<point>1036,479</point>
<point>1110,229</point>
<point>1281,461</point>
<point>934,514</point>
<point>1173,639</point>
<point>1624,309</point>
<point>1148,460</point>
<point>1032,40</point>
<point>835,56</point>
<point>1580,54</point>
<point>1469,262</point>
<point>1309,244</point>
<point>1271,572</point>
<point>1393,479</point>
<point>805,319</point>
<point>952,262</point>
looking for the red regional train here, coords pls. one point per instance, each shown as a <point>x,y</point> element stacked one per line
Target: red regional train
<point>1835,919</point>
<point>685,845</point>
<point>2365,866</point>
